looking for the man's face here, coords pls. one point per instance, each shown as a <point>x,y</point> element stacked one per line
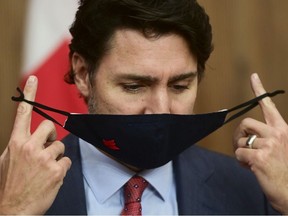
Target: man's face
<point>145,76</point>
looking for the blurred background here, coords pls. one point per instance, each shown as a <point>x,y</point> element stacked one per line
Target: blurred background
<point>249,36</point>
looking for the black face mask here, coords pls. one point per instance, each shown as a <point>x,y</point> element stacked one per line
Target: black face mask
<point>144,141</point>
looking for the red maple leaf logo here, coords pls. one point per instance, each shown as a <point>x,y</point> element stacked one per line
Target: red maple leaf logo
<point>110,144</point>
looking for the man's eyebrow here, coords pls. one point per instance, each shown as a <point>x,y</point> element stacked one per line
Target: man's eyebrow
<point>149,79</point>
<point>134,77</point>
<point>183,77</point>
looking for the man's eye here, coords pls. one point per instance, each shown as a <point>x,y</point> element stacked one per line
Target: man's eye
<point>180,88</point>
<point>132,88</point>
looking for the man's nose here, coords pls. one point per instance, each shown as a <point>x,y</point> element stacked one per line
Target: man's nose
<point>158,103</point>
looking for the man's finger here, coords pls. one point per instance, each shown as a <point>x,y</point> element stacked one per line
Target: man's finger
<point>258,143</point>
<point>250,126</point>
<point>45,132</point>
<point>245,155</point>
<point>22,122</point>
<point>270,112</point>
<point>65,163</point>
<point>56,150</point>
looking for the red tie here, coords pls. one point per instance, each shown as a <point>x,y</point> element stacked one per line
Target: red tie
<point>133,190</point>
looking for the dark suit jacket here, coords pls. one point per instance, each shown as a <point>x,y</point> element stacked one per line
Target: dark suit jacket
<point>207,183</point>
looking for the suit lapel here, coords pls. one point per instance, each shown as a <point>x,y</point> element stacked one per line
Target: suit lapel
<point>195,194</point>
<point>71,197</point>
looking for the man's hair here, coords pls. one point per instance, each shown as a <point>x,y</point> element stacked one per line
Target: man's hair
<point>97,20</point>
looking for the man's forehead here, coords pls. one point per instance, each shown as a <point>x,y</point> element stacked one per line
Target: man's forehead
<point>137,37</point>
<point>134,56</point>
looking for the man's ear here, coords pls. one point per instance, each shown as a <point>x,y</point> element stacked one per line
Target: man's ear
<point>81,77</point>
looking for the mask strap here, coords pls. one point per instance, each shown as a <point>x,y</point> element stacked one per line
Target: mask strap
<point>21,98</point>
<point>250,104</point>
<point>247,106</point>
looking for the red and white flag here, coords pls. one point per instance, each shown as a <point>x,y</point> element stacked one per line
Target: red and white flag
<point>46,56</point>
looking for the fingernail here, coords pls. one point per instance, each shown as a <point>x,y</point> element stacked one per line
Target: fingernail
<point>255,76</point>
<point>31,80</point>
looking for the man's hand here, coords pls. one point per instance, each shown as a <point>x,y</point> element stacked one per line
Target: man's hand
<point>269,157</point>
<point>32,168</point>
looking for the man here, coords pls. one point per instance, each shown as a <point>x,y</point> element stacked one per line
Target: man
<point>140,57</point>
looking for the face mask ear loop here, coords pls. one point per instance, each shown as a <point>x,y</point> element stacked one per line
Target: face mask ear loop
<point>40,112</point>
<point>241,112</point>
<point>21,98</point>
<point>250,104</point>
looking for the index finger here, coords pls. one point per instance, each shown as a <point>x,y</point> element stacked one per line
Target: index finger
<point>21,128</point>
<point>270,112</point>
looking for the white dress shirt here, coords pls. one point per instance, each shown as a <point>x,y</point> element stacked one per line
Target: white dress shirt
<point>104,179</point>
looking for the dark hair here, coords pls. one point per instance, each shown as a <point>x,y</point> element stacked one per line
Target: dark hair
<point>97,20</point>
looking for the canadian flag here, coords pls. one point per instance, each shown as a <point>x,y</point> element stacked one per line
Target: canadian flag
<point>46,56</point>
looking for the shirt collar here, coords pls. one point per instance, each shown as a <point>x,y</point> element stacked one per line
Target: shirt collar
<point>106,176</point>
